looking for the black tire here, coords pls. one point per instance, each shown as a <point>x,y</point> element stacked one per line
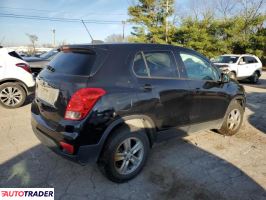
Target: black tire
<point>232,75</point>
<point>107,161</point>
<point>233,108</point>
<point>17,100</point>
<point>255,77</point>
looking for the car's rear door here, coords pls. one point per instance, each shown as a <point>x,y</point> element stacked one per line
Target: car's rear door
<point>161,93</point>
<point>210,99</point>
<point>252,65</point>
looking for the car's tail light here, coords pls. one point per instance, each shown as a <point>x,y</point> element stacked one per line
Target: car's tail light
<point>82,102</point>
<point>24,66</point>
<point>67,147</point>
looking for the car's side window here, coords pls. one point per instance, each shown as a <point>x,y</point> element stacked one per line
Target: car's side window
<point>251,60</point>
<point>139,66</point>
<point>197,68</point>
<point>242,60</point>
<point>155,64</point>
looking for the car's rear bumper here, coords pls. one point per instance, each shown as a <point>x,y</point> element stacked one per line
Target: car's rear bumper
<point>84,154</point>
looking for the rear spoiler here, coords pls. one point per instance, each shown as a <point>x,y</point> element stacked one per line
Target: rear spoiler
<point>76,49</point>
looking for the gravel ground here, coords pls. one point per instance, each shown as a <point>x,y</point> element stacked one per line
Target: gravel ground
<point>202,166</point>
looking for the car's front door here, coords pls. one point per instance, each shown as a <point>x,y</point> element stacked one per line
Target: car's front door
<point>161,91</point>
<point>210,99</point>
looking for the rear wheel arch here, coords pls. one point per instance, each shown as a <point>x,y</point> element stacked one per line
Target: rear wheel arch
<point>258,72</point>
<point>23,85</point>
<point>143,122</point>
<point>133,121</point>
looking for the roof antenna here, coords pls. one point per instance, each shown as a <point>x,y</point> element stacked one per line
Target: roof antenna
<point>87,30</point>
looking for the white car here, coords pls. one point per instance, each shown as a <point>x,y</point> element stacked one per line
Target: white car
<point>16,80</point>
<point>240,66</point>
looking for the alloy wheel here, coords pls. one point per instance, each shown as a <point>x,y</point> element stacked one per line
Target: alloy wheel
<point>234,119</point>
<point>128,155</point>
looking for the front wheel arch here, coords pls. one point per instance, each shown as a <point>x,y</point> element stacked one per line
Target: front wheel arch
<point>234,73</point>
<point>235,104</point>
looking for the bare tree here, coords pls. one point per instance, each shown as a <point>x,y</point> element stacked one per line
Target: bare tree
<point>250,9</point>
<point>201,9</point>
<point>62,43</point>
<point>33,39</point>
<point>226,7</point>
<point>115,38</point>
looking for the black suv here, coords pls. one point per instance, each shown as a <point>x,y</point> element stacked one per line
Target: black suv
<point>109,103</point>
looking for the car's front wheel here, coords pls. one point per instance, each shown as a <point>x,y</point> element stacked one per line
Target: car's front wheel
<point>233,119</point>
<point>12,95</point>
<point>125,154</point>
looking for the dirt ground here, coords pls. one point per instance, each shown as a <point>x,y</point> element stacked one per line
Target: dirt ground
<point>202,166</point>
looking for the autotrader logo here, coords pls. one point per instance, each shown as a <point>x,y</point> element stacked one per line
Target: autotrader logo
<point>27,193</point>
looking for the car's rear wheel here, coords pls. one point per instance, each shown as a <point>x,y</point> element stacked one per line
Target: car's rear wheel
<point>233,119</point>
<point>12,95</point>
<point>255,77</point>
<point>124,154</point>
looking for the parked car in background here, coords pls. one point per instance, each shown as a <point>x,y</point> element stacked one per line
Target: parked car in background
<point>245,66</point>
<point>109,103</point>
<point>37,63</point>
<point>16,80</point>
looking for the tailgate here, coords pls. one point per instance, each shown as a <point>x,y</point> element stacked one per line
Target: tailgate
<point>68,72</point>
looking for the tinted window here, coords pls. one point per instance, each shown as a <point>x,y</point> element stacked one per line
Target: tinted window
<point>139,66</point>
<point>155,64</point>
<point>75,63</point>
<point>197,68</point>
<point>161,64</point>
<point>251,60</point>
<point>227,59</point>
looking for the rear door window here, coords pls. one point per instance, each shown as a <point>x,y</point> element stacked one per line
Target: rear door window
<point>140,67</point>
<point>74,63</point>
<point>155,64</point>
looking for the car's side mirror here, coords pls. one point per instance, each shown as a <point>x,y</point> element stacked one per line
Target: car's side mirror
<point>242,63</point>
<point>224,78</point>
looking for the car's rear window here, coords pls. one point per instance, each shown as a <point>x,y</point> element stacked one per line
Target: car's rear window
<point>74,63</point>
